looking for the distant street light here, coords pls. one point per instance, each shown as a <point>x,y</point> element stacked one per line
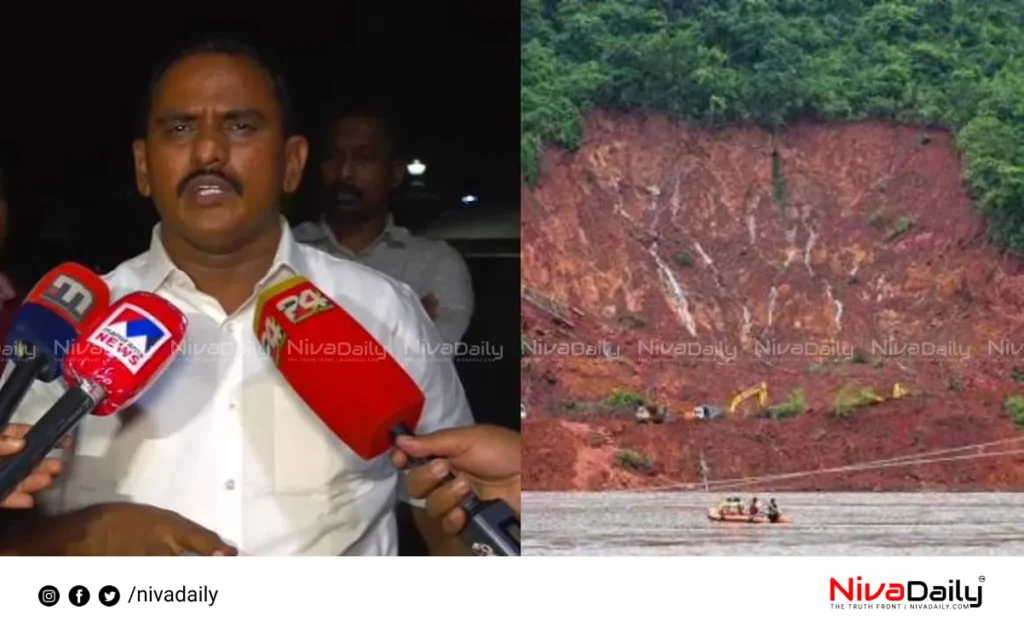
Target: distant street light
<point>416,168</point>
<point>468,199</point>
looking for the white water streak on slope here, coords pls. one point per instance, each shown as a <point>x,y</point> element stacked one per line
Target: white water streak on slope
<point>674,201</point>
<point>813,237</point>
<point>682,305</point>
<point>838,304</point>
<point>791,251</point>
<point>703,255</point>
<point>653,208</point>
<point>710,264</point>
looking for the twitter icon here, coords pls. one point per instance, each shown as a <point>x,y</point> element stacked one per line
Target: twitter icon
<point>109,596</point>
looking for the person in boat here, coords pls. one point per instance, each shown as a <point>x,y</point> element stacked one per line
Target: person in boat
<point>773,510</point>
<point>755,507</point>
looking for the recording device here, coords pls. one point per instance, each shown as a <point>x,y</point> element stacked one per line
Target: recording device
<point>357,389</point>
<point>492,527</point>
<point>57,310</point>
<point>126,350</point>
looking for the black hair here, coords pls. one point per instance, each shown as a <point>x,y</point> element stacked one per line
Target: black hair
<point>375,111</point>
<point>222,45</point>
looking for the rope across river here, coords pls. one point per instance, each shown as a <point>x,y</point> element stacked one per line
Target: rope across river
<point>912,459</point>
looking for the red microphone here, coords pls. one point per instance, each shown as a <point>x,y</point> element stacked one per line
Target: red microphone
<point>124,351</point>
<point>127,350</point>
<point>336,366</point>
<point>359,391</point>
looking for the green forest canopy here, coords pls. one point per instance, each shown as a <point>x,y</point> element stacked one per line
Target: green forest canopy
<point>954,63</point>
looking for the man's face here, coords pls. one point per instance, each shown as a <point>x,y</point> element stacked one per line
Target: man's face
<point>359,170</point>
<point>215,159</point>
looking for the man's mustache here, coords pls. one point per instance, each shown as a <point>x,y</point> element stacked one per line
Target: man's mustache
<point>233,182</point>
<point>344,189</point>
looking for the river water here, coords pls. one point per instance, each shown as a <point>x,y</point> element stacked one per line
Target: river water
<point>823,524</point>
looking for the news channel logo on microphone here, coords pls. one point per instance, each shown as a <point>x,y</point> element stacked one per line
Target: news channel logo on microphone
<point>49,596</point>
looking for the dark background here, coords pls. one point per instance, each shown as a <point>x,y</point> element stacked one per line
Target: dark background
<point>71,94</point>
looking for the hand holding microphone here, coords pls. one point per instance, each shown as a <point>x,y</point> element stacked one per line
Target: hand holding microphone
<point>485,459</point>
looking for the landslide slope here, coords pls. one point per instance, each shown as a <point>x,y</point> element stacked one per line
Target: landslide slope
<point>686,264</point>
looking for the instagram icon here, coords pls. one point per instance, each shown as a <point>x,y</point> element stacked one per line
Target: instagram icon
<point>49,596</point>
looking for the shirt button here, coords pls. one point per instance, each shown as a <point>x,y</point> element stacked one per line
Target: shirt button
<point>230,484</point>
<point>231,405</point>
<point>231,328</point>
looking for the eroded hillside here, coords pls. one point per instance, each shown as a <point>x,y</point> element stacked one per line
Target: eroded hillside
<point>689,264</point>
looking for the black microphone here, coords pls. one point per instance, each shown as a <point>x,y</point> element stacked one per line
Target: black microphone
<point>492,527</point>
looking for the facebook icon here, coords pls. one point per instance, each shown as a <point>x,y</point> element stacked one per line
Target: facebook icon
<point>79,596</point>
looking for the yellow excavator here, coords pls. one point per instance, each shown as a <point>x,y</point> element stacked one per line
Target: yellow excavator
<point>760,390</point>
<point>710,412</point>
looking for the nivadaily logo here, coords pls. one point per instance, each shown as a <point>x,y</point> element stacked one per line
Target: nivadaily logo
<point>913,594</point>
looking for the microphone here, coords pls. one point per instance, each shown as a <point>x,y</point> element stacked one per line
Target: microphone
<point>329,358</point>
<point>52,316</point>
<point>492,527</point>
<point>358,390</point>
<point>125,350</point>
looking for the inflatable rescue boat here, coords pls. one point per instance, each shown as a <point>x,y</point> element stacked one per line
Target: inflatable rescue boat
<point>715,514</point>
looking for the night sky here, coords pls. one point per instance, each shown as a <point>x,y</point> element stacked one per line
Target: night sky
<point>71,95</point>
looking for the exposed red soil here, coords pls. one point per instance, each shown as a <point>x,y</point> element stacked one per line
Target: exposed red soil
<point>821,268</point>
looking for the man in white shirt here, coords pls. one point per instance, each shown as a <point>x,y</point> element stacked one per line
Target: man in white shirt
<point>360,164</point>
<point>221,450</point>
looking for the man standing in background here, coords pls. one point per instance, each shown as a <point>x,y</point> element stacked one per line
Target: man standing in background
<point>361,164</point>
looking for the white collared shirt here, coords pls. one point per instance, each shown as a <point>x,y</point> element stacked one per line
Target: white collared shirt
<point>428,266</point>
<point>223,440</point>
